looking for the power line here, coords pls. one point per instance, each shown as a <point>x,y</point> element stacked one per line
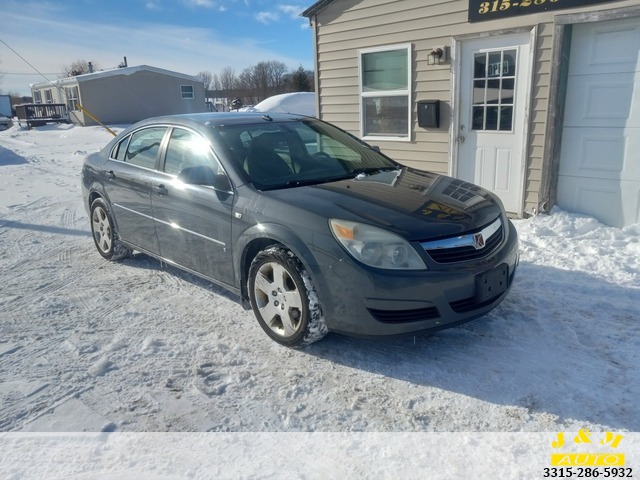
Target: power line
<point>28,74</point>
<point>24,60</point>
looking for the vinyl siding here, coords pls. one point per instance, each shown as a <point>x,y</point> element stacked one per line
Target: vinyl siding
<point>114,98</point>
<point>345,26</point>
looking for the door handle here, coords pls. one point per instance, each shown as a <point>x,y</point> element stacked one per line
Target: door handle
<point>109,174</point>
<point>160,190</point>
<point>460,139</point>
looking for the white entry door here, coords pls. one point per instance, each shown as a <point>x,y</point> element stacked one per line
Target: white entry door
<point>494,86</point>
<point>600,152</point>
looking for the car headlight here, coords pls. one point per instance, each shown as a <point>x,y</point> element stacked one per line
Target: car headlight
<point>376,247</point>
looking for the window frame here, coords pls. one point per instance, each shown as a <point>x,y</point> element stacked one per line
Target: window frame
<point>408,47</point>
<point>128,140</point>
<point>485,104</point>
<point>73,97</point>
<point>214,162</point>
<point>185,95</point>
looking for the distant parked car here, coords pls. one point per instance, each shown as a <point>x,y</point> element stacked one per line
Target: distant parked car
<point>312,228</point>
<point>5,122</point>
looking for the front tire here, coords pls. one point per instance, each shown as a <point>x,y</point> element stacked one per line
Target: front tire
<point>104,232</point>
<point>283,298</point>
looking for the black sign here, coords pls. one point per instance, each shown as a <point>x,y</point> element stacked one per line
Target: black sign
<point>480,11</point>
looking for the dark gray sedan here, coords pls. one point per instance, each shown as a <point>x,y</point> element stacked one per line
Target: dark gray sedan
<point>312,228</point>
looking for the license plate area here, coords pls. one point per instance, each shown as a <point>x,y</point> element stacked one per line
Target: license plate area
<point>492,283</point>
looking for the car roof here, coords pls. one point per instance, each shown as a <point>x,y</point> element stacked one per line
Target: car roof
<point>214,119</point>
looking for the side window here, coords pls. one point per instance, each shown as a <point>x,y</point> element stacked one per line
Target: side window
<point>119,152</point>
<point>144,145</point>
<point>187,149</point>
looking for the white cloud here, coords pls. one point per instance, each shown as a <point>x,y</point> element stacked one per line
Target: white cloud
<point>292,10</point>
<point>267,17</point>
<point>173,47</point>
<point>200,3</point>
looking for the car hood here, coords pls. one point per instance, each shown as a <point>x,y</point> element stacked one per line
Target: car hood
<point>415,204</point>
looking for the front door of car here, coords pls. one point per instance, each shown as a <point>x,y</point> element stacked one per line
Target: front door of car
<point>193,221</point>
<point>128,175</point>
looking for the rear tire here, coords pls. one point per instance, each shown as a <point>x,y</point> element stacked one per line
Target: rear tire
<point>284,299</point>
<point>104,232</point>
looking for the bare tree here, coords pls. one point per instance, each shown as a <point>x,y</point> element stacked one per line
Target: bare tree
<point>278,74</point>
<point>215,82</point>
<point>79,67</point>
<point>261,74</point>
<point>248,84</point>
<point>206,78</point>
<point>262,80</point>
<point>228,78</point>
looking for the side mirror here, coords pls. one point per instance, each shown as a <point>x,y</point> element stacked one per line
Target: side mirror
<point>204,175</point>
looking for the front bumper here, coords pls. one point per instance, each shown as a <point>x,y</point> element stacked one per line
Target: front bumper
<point>363,301</point>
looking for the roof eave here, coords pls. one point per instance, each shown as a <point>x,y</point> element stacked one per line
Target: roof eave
<point>316,8</point>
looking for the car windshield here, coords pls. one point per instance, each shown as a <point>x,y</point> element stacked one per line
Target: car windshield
<point>276,155</point>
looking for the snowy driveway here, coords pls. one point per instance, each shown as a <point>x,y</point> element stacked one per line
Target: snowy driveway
<point>88,345</point>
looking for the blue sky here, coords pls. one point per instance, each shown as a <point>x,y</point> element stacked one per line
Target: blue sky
<point>188,36</point>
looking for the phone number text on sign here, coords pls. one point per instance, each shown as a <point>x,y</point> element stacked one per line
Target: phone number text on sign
<point>480,10</point>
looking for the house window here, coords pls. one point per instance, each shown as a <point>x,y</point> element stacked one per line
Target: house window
<point>385,83</point>
<point>186,91</point>
<point>494,78</point>
<point>37,96</point>
<point>72,98</point>
<point>48,96</point>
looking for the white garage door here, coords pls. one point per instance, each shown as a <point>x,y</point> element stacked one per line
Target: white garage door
<point>600,152</point>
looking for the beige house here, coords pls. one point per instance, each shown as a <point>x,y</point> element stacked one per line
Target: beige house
<point>123,95</point>
<point>536,100</point>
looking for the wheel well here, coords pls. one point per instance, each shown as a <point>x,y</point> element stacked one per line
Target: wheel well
<point>250,252</point>
<point>93,196</point>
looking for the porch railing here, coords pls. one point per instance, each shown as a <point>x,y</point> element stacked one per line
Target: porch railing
<point>35,114</point>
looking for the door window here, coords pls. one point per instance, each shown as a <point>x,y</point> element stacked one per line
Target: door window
<point>185,150</point>
<point>144,145</point>
<point>494,76</point>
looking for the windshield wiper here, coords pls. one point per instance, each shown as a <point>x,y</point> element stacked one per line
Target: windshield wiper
<point>353,174</point>
<point>307,181</point>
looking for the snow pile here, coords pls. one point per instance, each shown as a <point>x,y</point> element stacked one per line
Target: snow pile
<point>302,103</point>
<point>88,345</point>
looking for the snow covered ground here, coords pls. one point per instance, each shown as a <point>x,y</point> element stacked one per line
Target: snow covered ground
<point>88,345</point>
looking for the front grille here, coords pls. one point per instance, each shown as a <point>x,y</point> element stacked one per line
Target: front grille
<point>404,316</point>
<point>466,247</point>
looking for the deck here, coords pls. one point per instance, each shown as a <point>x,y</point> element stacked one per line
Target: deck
<point>36,114</point>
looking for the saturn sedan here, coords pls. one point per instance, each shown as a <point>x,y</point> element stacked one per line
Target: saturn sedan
<point>313,229</point>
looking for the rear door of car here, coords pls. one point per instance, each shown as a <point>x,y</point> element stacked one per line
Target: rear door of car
<point>128,173</point>
<point>193,222</point>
